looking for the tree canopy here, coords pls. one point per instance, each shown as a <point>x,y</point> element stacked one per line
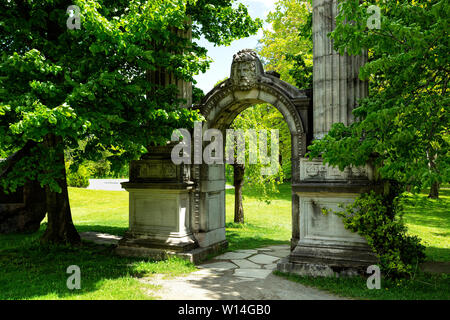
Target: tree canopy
<point>60,86</point>
<point>286,46</point>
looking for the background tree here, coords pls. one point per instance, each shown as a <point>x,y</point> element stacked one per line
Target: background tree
<point>403,126</point>
<point>286,46</point>
<point>263,117</point>
<point>59,87</point>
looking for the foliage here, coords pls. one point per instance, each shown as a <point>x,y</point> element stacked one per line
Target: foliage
<point>286,47</point>
<point>379,219</point>
<point>92,84</point>
<point>60,86</point>
<point>403,126</point>
<point>197,95</point>
<point>78,178</point>
<point>264,117</point>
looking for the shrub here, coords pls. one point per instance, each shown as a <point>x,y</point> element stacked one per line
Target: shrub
<point>379,218</point>
<point>78,178</point>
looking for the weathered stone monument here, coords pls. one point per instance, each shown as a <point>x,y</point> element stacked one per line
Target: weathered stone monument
<point>325,247</point>
<point>180,209</point>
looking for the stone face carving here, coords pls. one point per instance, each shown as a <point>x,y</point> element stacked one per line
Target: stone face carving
<point>245,69</point>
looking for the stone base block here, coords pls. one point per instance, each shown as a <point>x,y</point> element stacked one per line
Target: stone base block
<point>355,257</point>
<point>192,254</point>
<point>316,270</point>
<point>207,239</point>
<point>328,261</point>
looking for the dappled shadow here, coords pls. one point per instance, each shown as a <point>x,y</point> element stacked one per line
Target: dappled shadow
<point>426,212</point>
<point>437,254</point>
<point>217,285</point>
<point>237,240</point>
<point>30,270</point>
<point>283,194</point>
<point>118,231</point>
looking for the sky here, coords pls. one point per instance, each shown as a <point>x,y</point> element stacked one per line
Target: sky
<point>222,56</point>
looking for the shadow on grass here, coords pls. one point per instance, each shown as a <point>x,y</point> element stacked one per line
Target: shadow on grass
<point>30,270</point>
<point>254,237</point>
<point>118,231</point>
<point>422,287</point>
<point>283,194</point>
<point>426,212</point>
<point>437,254</point>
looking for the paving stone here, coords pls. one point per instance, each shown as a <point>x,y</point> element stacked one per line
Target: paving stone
<point>243,279</point>
<point>252,273</point>
<point>219,266</point>
<point>263,259</point>
<point>280,253</point>
<point>233,255</point>
<point>251,251</point>
<point>272,266</point>
<point>278,247</point>
<point>245,264</point>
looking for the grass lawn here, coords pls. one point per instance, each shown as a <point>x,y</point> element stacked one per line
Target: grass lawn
<point>30,271</point>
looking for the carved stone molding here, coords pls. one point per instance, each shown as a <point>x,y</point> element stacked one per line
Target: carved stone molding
<point>316,170</point>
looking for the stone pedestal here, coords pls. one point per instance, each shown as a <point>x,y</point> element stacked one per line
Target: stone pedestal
<point>325,247</point>
<point>160,222</point>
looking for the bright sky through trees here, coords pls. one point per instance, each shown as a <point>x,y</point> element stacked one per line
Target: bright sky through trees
<point>223,56</point>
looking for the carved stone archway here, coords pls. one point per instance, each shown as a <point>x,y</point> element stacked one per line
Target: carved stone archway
<point>248,85</point>
<point>180,209</point>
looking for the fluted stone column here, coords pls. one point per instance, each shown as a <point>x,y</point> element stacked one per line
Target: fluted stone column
<point>160,192</point>
<point>337,87</point>
<point>325,247</point>
<point>163,78</point>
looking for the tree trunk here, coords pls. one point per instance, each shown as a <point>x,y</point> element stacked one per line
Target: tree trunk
<point>239,171</point>
<point>60,228</point>
<point>434,191</point>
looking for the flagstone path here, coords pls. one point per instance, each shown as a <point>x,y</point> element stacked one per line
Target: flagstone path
<point>237,275</point>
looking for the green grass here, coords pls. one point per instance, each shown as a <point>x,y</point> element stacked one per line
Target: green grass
<point>422,287</point>
<point>265,224</point>
<point>32,271</point>
<point>430,220</point>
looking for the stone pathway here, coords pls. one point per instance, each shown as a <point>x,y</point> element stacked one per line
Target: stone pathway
<point>237,275</point>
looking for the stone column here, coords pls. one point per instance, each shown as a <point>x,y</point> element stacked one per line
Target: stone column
<point>161,222</point>
<point>325,247</point>
<point>337,87</point>
<point>163,78</point>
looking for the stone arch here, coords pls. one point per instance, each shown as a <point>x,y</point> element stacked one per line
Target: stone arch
<point>248,85</point>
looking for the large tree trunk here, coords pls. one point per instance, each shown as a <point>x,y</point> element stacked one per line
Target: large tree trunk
<point>239,172</point>
<point>434,191</point>
<point>60,228</point>
<point>23,210</point>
